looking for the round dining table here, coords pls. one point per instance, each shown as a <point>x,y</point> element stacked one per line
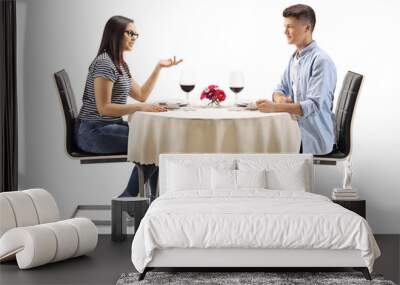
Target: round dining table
<point>210,130</point>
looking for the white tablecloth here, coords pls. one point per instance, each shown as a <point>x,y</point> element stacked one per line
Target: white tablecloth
<point>210,130</point>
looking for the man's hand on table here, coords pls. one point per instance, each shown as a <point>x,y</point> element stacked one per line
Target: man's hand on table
<point>268,106</point>
<point>280,98</point>
<point>265,106</point>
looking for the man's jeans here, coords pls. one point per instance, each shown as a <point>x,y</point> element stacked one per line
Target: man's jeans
<point>102,137</point>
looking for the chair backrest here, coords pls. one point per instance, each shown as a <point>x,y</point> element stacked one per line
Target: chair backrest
<point>27,208</point>
<point>344,110</point>
<point>69,107</point>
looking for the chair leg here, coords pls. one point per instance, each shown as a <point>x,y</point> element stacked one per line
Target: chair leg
<point>143,274</point>
<point>364,271</point>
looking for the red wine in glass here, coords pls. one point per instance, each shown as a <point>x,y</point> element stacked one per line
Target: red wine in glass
<point>236,89</point>
<point>236,82</point>
<point>187,83</point>
<point>187,88</point>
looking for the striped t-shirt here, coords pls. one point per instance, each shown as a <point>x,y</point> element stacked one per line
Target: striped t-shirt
<point>102,66</point>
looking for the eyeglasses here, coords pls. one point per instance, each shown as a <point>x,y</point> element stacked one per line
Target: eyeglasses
<point>132,34</point>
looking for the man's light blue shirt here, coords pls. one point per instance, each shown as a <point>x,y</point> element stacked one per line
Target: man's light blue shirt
<point>316,83</point>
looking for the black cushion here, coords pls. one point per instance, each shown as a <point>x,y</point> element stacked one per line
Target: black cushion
<point>335,154</point>
<point>71,115</point>
<point>344,114</point>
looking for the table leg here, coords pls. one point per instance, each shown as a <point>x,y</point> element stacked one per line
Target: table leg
<point>141,180</point>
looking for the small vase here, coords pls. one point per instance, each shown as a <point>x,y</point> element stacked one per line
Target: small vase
<point>214,104</point>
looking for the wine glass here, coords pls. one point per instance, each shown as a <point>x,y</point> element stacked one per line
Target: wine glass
<point>187,83</point>
<point>236,83</point>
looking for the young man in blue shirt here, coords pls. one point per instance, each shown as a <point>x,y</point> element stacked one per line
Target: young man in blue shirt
<point>308,84</point>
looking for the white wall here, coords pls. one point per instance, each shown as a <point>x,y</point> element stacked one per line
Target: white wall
<point>213,37</point>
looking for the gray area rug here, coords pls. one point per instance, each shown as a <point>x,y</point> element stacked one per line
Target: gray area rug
<point>243,278</point>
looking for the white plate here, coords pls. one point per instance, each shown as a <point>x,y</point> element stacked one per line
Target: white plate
<point>248,105</point>
<point>251,107</point>
<point>172,104</point>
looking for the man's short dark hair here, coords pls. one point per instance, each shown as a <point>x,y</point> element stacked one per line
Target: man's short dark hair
<point>301,12</point>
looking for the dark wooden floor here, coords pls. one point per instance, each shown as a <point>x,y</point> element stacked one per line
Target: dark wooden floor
<point>110,260</point>
<point>102,266</point>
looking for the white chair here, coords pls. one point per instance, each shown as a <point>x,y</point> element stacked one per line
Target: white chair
<point>31,231</point>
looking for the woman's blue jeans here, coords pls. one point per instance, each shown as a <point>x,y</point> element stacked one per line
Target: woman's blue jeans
<point>102,137</point>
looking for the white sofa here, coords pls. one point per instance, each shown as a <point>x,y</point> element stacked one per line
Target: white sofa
<point>31,231</point>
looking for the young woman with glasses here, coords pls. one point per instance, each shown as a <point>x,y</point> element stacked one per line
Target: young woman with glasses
<point>109,82</point>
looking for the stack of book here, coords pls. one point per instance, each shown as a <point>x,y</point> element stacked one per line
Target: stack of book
<point>344,194</point>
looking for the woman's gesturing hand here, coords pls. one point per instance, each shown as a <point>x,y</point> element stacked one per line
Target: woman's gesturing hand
<point>152,108</point>
<point>169,62</point>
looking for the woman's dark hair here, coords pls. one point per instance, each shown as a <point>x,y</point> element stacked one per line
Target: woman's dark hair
<point>111,42</point>
<point>301,12</point>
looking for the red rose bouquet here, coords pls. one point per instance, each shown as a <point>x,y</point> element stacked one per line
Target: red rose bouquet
<point>214,94</point>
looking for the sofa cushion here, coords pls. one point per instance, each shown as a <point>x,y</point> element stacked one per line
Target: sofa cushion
<point>40,244</point>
